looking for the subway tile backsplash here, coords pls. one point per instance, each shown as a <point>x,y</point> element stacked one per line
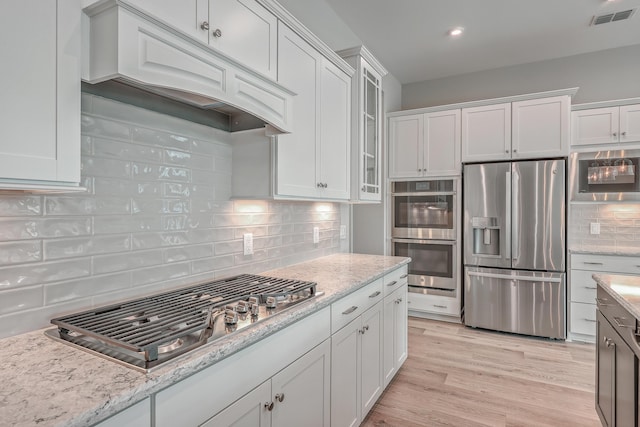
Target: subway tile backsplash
<point>619,227</point>
<point>156,215</point>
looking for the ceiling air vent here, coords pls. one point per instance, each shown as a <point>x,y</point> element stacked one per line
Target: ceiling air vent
<point>612,17</point>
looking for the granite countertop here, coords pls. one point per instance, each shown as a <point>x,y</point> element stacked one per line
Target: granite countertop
<point>624,289</point>
<point>606,250</point>
<point>48,383</point>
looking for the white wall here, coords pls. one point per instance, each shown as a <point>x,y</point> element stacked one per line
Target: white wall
<point>605,75</point>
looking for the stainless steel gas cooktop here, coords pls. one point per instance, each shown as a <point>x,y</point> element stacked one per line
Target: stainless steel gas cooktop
<point>145,332</point>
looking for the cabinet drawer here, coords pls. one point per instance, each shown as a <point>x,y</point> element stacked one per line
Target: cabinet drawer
<point>433,304</point>
<point>353,305</point>
<point>395,280</point>
<point>615,313</point>
<point>604,263</point>
<point>583,287</point>
<point>583,318</point>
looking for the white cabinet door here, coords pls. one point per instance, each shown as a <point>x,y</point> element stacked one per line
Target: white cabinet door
<point>138,415</point>
<point>187,16</point>
<point>250,410</point>
<point>299,65</point>
<point>246,31</point>
<point>334,148</point>
<point>300,392</point>
<point>486,133</point>
<point>40,87</point>
<point>540,128</point>
<point>406,136</point>
<point>595,126</point>
<point>345,375</point>
<point>442,143</point>
<point>371,384</point>
<point>395,333</point>
<point>630,123</point>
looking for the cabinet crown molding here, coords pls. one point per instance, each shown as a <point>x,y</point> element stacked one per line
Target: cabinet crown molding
<point>604,104</point>
<point>367,55</point>
<point>560,92</point>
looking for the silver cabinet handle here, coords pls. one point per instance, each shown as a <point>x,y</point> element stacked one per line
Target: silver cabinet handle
<point>589,320</point>
<point>439,306</point>
<point>590,287</point>
<point>602,302</point>
<point>350,310</point>
<point>592,263</point>
<point>398,301</point>
<point>515,150</point>
<point>619,324</point>
<point>204,26</point>
<point>506,151</point>
<point>319,185</point>
<point>269,406</point>
<point>623,134</point>
<point>609,342</point>
<point>404,276</point>
<point>280,397</point>
<point>375,294</point>
<point>615,134</point>
<point>392,283</point>
<point>217,33</point>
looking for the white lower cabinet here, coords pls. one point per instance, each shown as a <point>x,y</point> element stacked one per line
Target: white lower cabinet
<point>356,368</point>
<point>395,333</point>
<point>582,289</point>
<point>296,396</point>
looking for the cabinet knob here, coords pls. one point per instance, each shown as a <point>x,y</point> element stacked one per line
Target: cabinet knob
<point>398,301</point>
<point>280,397</point>
<point>515,151</point>
<point>269,406</point>
<point>506,151</point>
<point>615,134</point>
<point>216,32</point>
<point>623,134</point>
<point>204,26</point>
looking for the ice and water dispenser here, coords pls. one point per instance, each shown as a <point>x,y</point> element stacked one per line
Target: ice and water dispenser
<point>486,236</point>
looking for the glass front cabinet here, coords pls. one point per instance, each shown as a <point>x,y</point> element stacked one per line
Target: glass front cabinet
<point>366,119</point>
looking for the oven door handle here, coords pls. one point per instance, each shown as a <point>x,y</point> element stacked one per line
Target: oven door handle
<point>426,193</point>
<point>509,277</point>
<point>425,241</point>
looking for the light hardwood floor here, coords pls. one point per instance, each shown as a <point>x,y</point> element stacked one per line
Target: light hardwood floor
<point>459,376</point>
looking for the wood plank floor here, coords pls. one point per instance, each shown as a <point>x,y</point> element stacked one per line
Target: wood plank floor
<point>459,376</point>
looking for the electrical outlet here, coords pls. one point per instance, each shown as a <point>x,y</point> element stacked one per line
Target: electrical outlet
<point>248,243</point>
<point>595,228</point>
<point>316,235</point>
<point>343,232</point>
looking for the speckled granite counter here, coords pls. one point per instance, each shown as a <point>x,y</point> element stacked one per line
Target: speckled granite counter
<point>47,383</point>
<point>606,250</point>
<point>624,289</point>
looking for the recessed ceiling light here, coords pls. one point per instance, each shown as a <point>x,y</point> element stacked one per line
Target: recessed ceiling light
<point>454,32</point>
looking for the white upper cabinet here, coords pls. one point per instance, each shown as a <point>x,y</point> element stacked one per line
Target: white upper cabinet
<point>40,86</point>
<point>242,29</point>
<point>423,145</point>
<point>540,127</point>
<point>366,119</point>
<point>530,128</point>
<point>607,125</point>
<point>486,133</point>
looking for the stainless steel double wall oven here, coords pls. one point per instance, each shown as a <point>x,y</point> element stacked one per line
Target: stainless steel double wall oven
<point>425,228</point>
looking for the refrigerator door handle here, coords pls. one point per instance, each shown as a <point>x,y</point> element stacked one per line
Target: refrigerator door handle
<point>515,239</point>
<point>507,214</point>
<point>509,277</point>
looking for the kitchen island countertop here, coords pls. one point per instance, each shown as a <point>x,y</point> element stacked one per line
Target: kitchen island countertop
<point>48,383</point>
<point>624,289</point>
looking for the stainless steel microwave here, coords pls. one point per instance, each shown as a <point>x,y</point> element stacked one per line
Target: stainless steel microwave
<point>605,176</point>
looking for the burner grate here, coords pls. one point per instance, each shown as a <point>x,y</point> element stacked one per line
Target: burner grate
<point>146,324</point>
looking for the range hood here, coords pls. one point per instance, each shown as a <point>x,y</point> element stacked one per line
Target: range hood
<point>131,56</point>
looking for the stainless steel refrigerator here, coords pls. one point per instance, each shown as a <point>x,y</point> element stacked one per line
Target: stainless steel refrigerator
<point>514,247</point>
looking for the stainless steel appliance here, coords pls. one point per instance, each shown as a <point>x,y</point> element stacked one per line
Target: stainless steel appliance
<point>425,217</point>
<point>514,247</point>
<point>145,332</point>
<point>608,176</point>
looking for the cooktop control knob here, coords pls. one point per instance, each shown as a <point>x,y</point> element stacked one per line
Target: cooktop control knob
<point>271,302</point>
<point>242,306</point>
<point>230,317</point>
<point>253,305</point>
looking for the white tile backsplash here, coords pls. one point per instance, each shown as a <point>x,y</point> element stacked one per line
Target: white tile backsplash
<point>619,226</point>
<point>156,215</point>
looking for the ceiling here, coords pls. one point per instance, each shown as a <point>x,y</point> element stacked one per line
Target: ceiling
<point>410,36</point>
